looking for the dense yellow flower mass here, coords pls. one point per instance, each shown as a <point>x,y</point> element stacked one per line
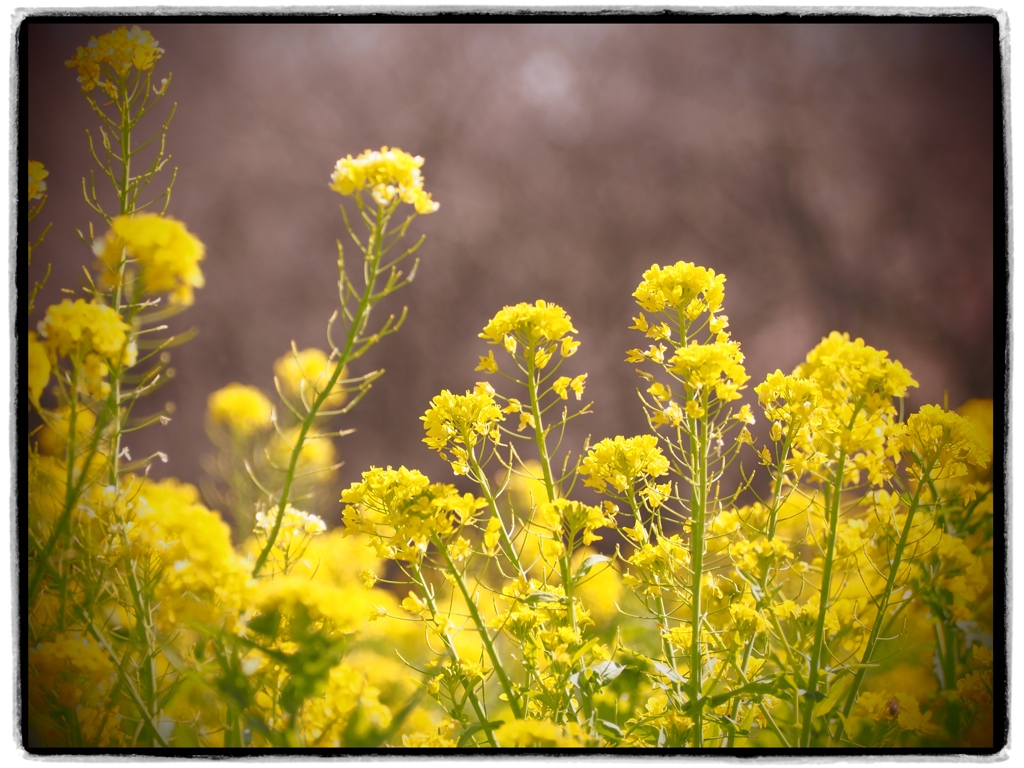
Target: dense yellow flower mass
<point>118,51</point>
<point>833,589</point>
<point>402,511</point>
<point>166,253</point>
<point>387,175</point>
<point>622,462</point>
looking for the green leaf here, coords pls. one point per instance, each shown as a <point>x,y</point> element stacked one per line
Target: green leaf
<point>544,597</point>
<point>829,703</point>
<point>588,563</point>
<point>476,728</point>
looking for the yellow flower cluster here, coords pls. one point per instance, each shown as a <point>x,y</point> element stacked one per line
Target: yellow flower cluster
<point>119,50</point>
<point>93,334</point>
<point>36,173</point>
<point>572,519</point>
<point>402,511</point>
<point>305,373</point>
<point>296,531</point>
<point>901,708</point>
<point>717,366</point>
<point>849,371</point>
<point>462,421</point>
<point>622,462</point>
<point>166,253</point>
<point>682,288</point>
<point>70,674</point>
<point>39,368</point>
<point>946,438</point>
<point>201,577</point>
<point>242,409</point>
<point>541,328</point>
<point>81,327</point>
<point>388,174</point>
<point>659,566</point>
<point>756,557</point>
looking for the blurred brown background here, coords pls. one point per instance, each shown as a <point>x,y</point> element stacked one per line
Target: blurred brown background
<point>840,175</point>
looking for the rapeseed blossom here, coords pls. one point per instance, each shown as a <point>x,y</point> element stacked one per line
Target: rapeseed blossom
<point>541,328</point>
<point>242,409</point>
<point>402,511</point>
<point>682,289</point>
<point>118,51</point>
<point>165,252</point>
<point>457,424</point>
<point>387,175</point>
<point>622,462</point>
<point>36,173</point>
<point>39,368</point>
<point>305,373</point>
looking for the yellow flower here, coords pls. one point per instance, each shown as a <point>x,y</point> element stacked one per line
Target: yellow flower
<point>388,175</point>
<point>682,287</point>
<point>461,420</point>
<point>623,462</point>
<point>537,733</point>
<point>38,368</point>
<point>36,173</point>
<point>119,50</point>
<point>166,253</point>
<point>86,327</point>
<point>713,367</point>
<point>304,374</point>
<point>243,409</point>
<point>69,672</point>
<point>534,325</point>
<point>402,511</point>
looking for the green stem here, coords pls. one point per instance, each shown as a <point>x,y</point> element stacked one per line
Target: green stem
<point>826,587</point>
<point>698,510</point>
<point>485,638</point>
<point>454,656</point>
<point>883,606</point>
<point>373,257</point>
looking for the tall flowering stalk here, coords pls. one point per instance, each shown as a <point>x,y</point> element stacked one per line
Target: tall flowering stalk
<point>379,183</point>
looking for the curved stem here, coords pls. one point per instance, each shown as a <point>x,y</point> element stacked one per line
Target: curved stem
<point>356,326</point>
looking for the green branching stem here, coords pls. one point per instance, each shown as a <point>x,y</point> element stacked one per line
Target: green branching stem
<point>698,509</point>
<point>883,602</point>
<point>354,345</point>
<point>453,654</point>
<point>485,638</point>
<point>833,499</point>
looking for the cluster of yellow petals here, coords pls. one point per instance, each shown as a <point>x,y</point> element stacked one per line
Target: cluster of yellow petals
<point>387,175</point>
<point>305,373</point>
<point>92,334</point>
<point>166,253</point>
<point>36,173</point>
<point>622,462</point>
<point>70,672</point>
<point>402,511</point>
<point>541,328</point>
<point>455,424</point>
<point>953,443</point>
<point>244,410</point>
<point>716,367</point>
<point>682,288</point>
<point>119,50</point>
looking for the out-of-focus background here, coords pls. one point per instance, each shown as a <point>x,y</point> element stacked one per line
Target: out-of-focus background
<point>840,175</point>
